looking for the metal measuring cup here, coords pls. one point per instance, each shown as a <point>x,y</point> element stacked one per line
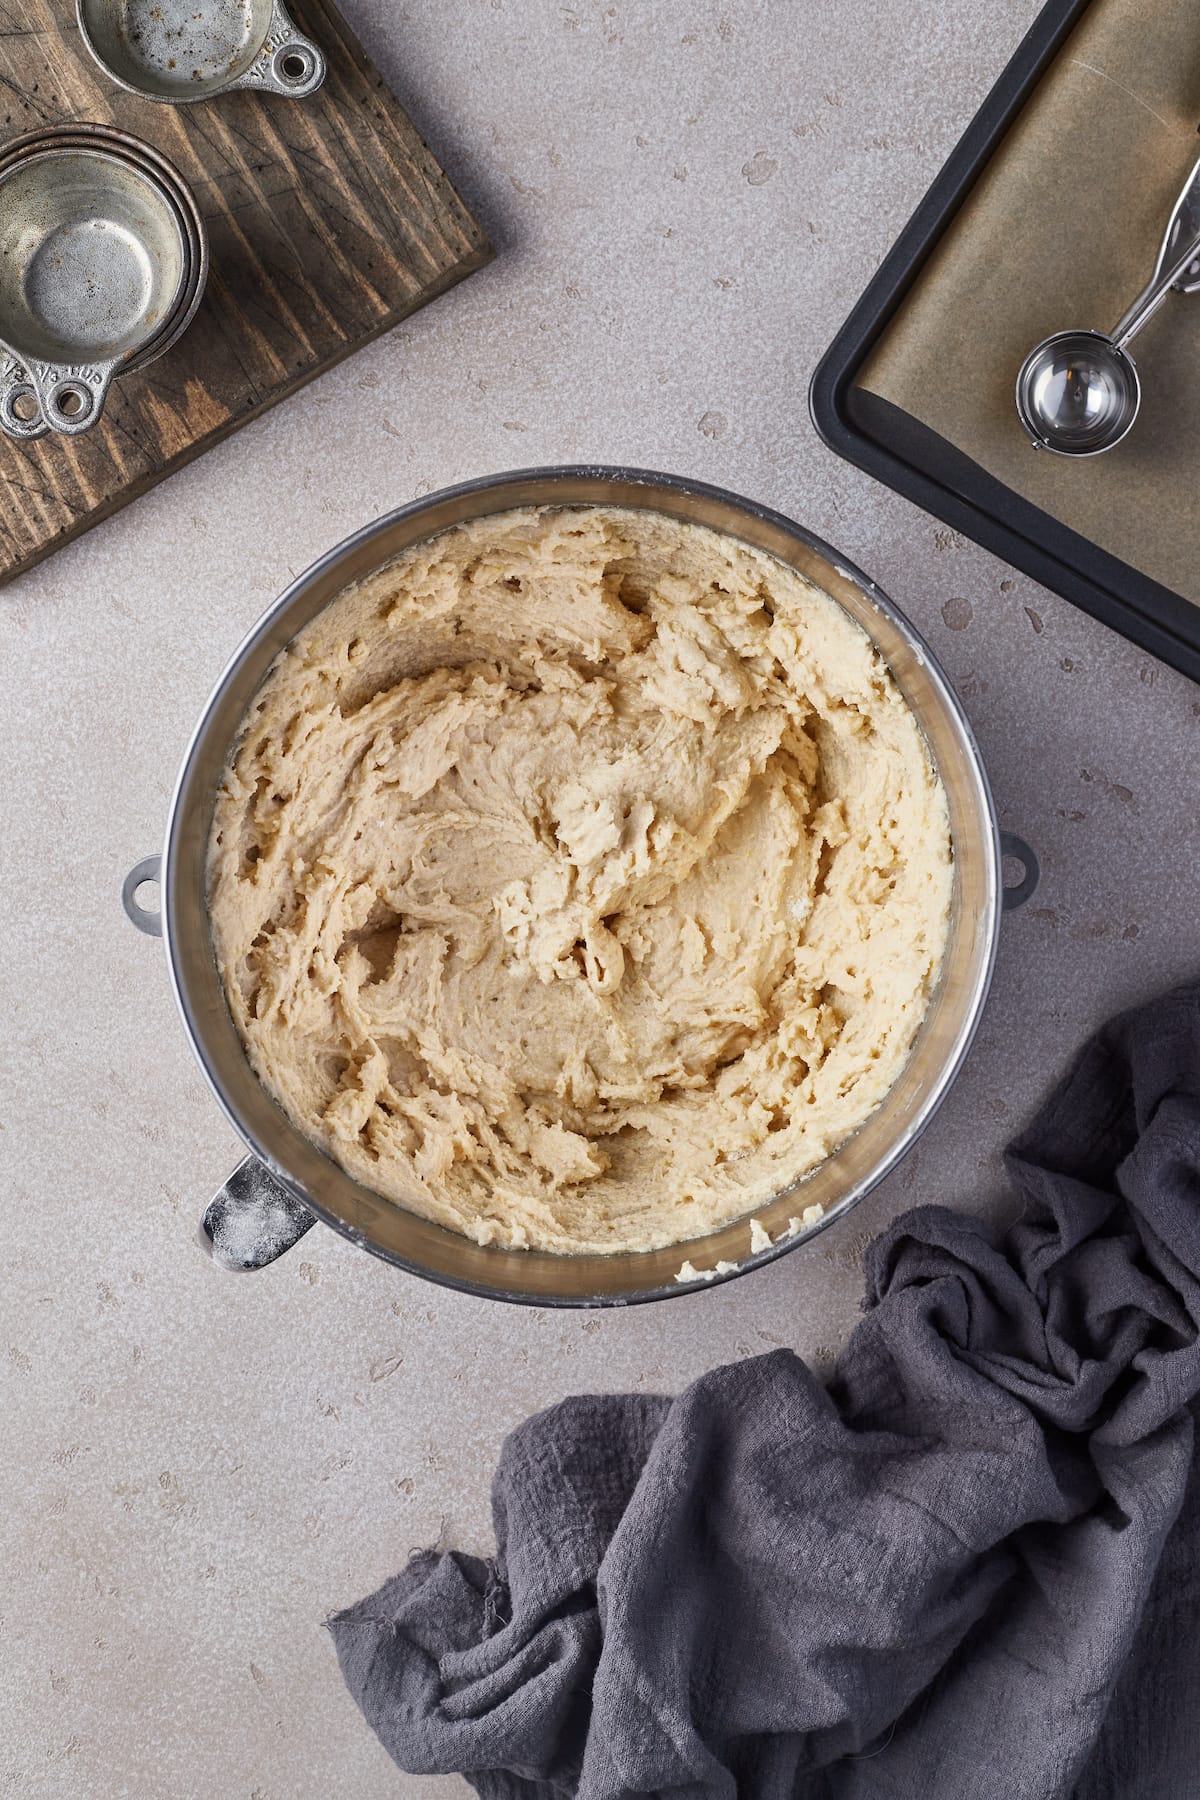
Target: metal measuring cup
<point>103,261</point>
<point>176,52</point>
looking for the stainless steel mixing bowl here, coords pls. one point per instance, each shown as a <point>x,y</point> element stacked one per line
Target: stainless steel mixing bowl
<point>287,1180</point>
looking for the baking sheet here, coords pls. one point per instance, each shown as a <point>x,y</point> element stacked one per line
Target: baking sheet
<point>1062,229</point>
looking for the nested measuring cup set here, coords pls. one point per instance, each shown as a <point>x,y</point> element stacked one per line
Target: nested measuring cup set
<point>103,250</point>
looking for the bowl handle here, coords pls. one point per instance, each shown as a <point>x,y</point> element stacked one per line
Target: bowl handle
<point>141,875</point>
<point>253,1219</point>
<point>1014,847</point>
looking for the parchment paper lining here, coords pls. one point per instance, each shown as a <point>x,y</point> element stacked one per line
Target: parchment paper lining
<point>1062,229</point>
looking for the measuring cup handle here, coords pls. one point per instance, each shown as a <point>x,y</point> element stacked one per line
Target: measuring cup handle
<point>17,391</point>
<point>71,395</point>
<point>288,62</point>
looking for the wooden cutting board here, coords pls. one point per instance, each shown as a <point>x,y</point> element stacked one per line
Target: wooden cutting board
<point>329,221</point>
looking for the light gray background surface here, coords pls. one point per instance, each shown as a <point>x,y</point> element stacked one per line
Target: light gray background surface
<point>686,199</point>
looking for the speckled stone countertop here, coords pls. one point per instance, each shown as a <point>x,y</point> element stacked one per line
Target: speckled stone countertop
<point>686,197</point>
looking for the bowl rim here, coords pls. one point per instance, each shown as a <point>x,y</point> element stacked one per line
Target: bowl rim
<point>574,473</point>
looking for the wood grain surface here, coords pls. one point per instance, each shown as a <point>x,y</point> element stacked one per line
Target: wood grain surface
<point>329,220</point>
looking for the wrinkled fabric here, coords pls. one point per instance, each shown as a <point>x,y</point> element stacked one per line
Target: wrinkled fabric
<point>970,1566</point>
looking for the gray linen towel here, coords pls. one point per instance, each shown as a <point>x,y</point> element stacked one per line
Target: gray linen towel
<point>967,1568</point>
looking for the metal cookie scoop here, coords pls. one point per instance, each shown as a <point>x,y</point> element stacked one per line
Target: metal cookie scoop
<point>1078,392</point>
<point>182,50</point>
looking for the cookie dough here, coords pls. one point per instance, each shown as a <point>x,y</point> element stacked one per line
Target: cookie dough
<point>579,879</point>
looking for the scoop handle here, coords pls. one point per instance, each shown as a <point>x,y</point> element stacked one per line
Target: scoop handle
<point>1178,264</point>
<point>1153,295</point>
<point>1183,228</point>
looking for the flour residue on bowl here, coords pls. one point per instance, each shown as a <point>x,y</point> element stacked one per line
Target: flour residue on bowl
<point>579,880</point>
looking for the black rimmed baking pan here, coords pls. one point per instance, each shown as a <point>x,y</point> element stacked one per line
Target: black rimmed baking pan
<point>925,464</point>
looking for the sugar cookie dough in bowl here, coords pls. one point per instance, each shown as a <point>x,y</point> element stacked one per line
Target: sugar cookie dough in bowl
<point>580,879</point>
